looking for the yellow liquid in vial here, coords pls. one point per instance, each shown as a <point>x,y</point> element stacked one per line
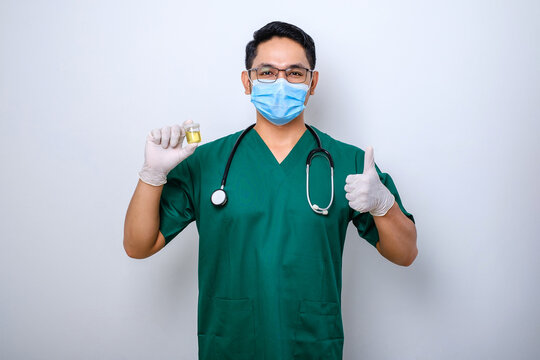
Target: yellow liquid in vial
<point>193,136</point>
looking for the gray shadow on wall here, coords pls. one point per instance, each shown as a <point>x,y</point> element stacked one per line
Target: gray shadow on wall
<point>379,297</point>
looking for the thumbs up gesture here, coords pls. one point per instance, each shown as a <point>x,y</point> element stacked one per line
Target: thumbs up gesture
<point>366,192</point>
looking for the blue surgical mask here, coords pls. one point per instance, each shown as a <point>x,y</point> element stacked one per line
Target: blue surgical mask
<point>280,101</point>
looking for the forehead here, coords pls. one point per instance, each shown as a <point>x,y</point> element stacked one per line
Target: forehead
<point>280,52</point>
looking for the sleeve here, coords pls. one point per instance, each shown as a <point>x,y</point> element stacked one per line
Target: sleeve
<point>176,208</point>
<point>364,222</point>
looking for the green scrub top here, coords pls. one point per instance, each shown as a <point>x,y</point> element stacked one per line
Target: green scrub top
<point>269,266</point>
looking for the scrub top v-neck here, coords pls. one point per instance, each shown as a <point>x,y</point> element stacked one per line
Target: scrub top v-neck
<point>269,267</point>
<point>266,155</point>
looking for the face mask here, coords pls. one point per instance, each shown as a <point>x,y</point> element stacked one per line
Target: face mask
<point>280,101</point>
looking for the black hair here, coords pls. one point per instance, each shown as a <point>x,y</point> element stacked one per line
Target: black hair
<point>280,29</point>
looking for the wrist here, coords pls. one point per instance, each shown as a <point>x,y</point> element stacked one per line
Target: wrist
<point>385,204</point>
<point>152,176</point>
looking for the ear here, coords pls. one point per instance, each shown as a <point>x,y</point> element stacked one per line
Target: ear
<point>314,82</point>
<point>246,83</point>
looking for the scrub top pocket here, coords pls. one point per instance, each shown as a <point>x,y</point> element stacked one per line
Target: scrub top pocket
<point>234,331</point>
<point>319,332</point>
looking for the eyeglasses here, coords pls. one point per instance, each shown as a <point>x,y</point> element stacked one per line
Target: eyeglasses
<point>269,74</point>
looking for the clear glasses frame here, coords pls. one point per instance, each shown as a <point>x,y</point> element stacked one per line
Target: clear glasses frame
<point>288,74</point>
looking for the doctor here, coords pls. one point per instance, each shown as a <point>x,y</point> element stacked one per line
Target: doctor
<point>269,262</point>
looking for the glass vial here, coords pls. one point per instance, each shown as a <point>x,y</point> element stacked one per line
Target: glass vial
<point>193,133</point>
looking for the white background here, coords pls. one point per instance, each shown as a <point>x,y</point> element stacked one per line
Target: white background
<point>447,92</point>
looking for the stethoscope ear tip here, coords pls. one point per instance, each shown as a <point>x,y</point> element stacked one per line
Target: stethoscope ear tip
<point>318,210</point>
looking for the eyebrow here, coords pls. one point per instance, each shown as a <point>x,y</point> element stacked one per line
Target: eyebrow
<point>288,66</point>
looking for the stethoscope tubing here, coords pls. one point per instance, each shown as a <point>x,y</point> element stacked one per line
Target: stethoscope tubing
<point>229,161</point>
<point>219,196</point>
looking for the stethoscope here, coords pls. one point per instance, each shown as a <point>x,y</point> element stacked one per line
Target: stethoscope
<point>219,196</point>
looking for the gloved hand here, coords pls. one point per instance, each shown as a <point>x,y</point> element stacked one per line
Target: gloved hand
<point>366,192</point>
<point>163,152</point>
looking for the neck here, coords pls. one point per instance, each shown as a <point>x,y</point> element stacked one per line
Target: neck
<point>280,136</point>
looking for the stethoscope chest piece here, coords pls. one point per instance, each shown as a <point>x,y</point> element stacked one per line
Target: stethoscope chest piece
<point>219,198</point>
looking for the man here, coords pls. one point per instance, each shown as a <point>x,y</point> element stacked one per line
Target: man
<point>269,257</point>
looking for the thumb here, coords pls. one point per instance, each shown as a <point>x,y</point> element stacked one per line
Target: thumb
<point>189,149</point>
<point>369,161</point>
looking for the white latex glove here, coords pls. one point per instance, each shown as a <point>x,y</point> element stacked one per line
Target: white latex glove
<point>163,152</point>
<point>366,192</point>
